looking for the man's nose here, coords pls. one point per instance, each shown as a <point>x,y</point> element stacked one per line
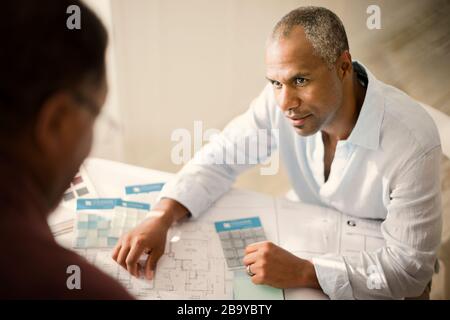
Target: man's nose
<point>287,99</point>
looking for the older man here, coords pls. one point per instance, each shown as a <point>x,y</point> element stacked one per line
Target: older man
<point>349,142</point>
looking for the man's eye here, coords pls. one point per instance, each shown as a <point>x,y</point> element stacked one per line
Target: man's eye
<point>300,81</point>
<point>276,84</point>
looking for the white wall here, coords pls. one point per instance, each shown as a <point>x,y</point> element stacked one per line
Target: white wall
<point>108,142</point>
<point>184,60</point>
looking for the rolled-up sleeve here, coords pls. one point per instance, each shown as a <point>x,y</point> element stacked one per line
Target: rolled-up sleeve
<point>214,168</point>
<point>412,233</point>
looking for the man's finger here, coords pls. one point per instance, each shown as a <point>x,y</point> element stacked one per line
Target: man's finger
<point>123,255</point>
<point>133,259</point>
<point>116,250</point>
<point>250,258</point>
<point>150,265</point>
<point>254,247</point>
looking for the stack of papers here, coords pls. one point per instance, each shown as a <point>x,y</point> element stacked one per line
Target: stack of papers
<point>100,222</point>
<point>81,187</point>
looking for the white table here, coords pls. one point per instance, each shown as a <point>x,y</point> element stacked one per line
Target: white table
<point>282,219</point>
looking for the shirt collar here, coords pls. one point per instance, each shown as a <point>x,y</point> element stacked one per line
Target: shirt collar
<point>367,130</point>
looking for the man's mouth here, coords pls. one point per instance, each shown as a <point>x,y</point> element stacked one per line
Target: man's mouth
<point>298,121</point>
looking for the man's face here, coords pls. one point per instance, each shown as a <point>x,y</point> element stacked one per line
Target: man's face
<point>307,91</point>
<point>90,102</point>
<point>87,104</point>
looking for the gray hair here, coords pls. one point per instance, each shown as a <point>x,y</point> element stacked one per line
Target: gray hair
<point>322,27</point>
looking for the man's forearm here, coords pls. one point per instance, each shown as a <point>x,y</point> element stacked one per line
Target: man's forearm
<point>173,211</point>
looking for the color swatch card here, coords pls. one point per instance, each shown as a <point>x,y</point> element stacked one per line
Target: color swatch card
<point>80,187</point>
<point>101,222</point>
<point>127,215</point>
<point>235,235</point>
<point>146,193</point>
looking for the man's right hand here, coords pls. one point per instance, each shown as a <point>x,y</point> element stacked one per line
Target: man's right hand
<point>148,237</point>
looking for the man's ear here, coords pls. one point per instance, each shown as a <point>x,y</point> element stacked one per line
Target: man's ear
<point>52,125</point>
<point>344,65</point>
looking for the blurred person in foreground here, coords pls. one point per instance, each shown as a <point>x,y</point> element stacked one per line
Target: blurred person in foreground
<point>52,89</point>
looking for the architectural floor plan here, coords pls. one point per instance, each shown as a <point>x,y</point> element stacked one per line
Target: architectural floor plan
<point>193,267</point>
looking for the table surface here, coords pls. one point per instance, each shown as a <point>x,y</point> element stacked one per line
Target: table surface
<point>109,179</point>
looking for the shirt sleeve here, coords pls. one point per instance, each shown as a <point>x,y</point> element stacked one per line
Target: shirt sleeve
<point>246,141</point>
<point>412,231</point>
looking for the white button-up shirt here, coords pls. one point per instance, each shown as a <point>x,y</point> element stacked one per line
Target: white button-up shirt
<point>387,169</point>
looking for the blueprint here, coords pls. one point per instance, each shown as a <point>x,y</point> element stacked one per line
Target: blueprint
<point>192,267</point>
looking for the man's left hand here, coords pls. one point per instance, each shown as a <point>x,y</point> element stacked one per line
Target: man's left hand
<point>274,266</point>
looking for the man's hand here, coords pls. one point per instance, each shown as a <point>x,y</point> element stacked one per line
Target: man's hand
<point>279,268</point>
<point>149,237</point>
